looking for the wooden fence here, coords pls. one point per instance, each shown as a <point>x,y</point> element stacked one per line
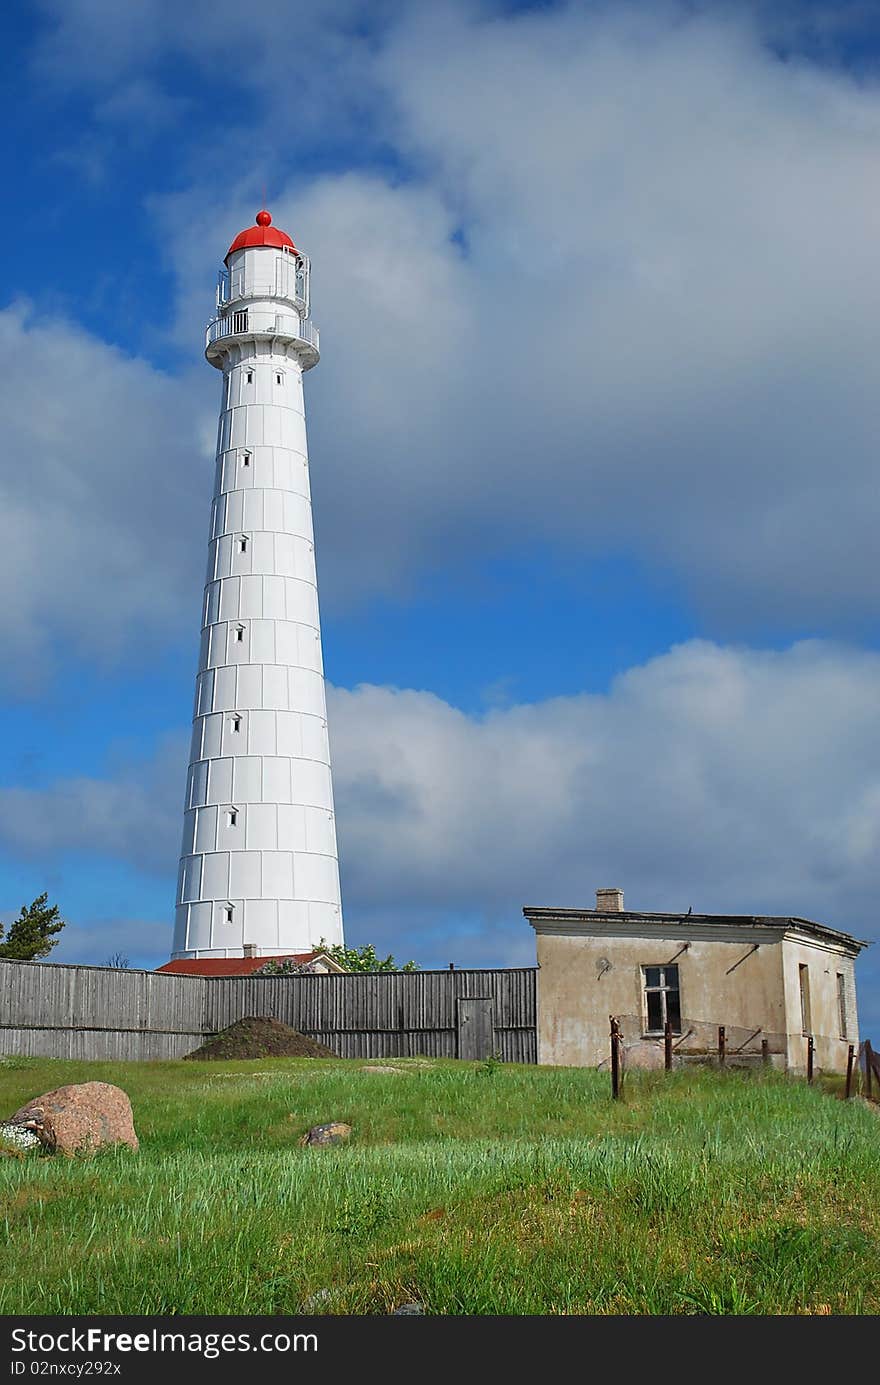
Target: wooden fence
<point>60,1011</point>
<point>869,1063</point>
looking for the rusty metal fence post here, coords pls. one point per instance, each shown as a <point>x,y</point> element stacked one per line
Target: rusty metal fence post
<point>615,1058</point>
<point>667,1046</point>
<point>811,1053</point>
<point>849,1070</point>
<point>722,1043</point>
<point>868,1064</point>
<point>765,1052</point>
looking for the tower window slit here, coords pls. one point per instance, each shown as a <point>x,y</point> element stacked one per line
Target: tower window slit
<point>242,543</point>
<point>239,634</point>
<point>229,913</point>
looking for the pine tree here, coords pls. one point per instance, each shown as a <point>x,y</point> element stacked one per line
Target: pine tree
<point>32,935</point>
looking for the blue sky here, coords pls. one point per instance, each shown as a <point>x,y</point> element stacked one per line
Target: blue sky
<point>593,445</point>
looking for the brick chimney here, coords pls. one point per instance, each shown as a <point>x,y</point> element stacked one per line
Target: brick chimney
<point>250,950</point>
<point>609,901</point>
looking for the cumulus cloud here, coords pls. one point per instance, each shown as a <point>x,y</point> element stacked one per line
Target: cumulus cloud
<point>729,779</point>
<point>104,484</point>
<point>133,813</point>
<point>618,294</point>
<point>625,299</point>
<point>726,778</point>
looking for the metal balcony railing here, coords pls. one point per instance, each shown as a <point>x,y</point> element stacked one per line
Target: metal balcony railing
<point>259,324</point>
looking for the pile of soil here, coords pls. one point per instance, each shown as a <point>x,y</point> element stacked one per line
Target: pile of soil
<point>257,1036</point>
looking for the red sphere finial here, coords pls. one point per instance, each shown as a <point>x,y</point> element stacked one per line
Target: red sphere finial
<point>264,218</point>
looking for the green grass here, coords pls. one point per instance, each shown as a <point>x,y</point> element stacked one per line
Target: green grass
<point>475,1189</point>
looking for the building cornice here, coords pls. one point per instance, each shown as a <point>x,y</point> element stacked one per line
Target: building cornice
<point>733,928</point>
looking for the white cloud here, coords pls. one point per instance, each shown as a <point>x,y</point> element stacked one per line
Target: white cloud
<point>655,331</point>
<point>105,492</point>
<point>729,779</point>
<point>133,813</point>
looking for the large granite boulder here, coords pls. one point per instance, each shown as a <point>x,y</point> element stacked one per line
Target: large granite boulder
<point>85,1116</point>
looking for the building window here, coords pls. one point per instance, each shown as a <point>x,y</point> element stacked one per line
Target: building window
<point>235,722</point>
<point>239,634</point>
<point>242,543</point>
<point>804,979</point>
<point>279,378</point>
<point>662,999</point>
<point>246,459</point>
<point>841,1003</point>
<point>249,377</point>
<point>232,814</point>
<point>229,913</point>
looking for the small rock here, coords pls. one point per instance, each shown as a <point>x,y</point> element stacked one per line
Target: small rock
<point>335,1133</point>
<point>85,1116</point>
<point>319,1299</point>
<point>18,1136</point>
<point>645,1054</point>
<point>406,1309</point>
<point>641,1053</point>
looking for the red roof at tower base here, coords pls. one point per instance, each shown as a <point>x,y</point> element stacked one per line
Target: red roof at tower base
<point>241,966</point>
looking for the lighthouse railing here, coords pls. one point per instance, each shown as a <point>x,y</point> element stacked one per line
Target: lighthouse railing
<point>263,324</point>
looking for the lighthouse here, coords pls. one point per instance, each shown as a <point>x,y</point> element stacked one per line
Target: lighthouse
<point>259,868</point>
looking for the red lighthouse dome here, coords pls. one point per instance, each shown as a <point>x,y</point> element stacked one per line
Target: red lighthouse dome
<point>261,233</point>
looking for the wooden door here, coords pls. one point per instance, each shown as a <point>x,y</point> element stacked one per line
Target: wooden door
<point>476,1026</point>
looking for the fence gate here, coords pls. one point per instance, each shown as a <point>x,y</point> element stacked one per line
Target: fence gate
<point>476,1026</point>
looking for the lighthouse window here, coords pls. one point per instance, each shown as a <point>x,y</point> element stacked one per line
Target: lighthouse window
<point>229,913</point>
<point>242,544</point>
<point>250,377</point>
<point>279,378</point>
<point>233,816</point>
<point>239,633</point>
<point>235,723</point>
<point>246,459</point>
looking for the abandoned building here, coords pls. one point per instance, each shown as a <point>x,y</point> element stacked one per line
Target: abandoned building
<point>770,981</point>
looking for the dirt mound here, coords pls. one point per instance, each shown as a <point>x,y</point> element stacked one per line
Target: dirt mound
<point>257,1036</point>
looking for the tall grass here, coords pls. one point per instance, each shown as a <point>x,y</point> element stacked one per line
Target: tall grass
<point>469,1187</point>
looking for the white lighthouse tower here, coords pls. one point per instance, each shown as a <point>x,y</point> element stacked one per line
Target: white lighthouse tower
<point>258,871</point>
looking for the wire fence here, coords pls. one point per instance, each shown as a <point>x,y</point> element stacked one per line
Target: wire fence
<point>706,1041</point>
<point>698,1038</point>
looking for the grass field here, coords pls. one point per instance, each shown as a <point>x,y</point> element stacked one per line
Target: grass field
<point>472,1188</point>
